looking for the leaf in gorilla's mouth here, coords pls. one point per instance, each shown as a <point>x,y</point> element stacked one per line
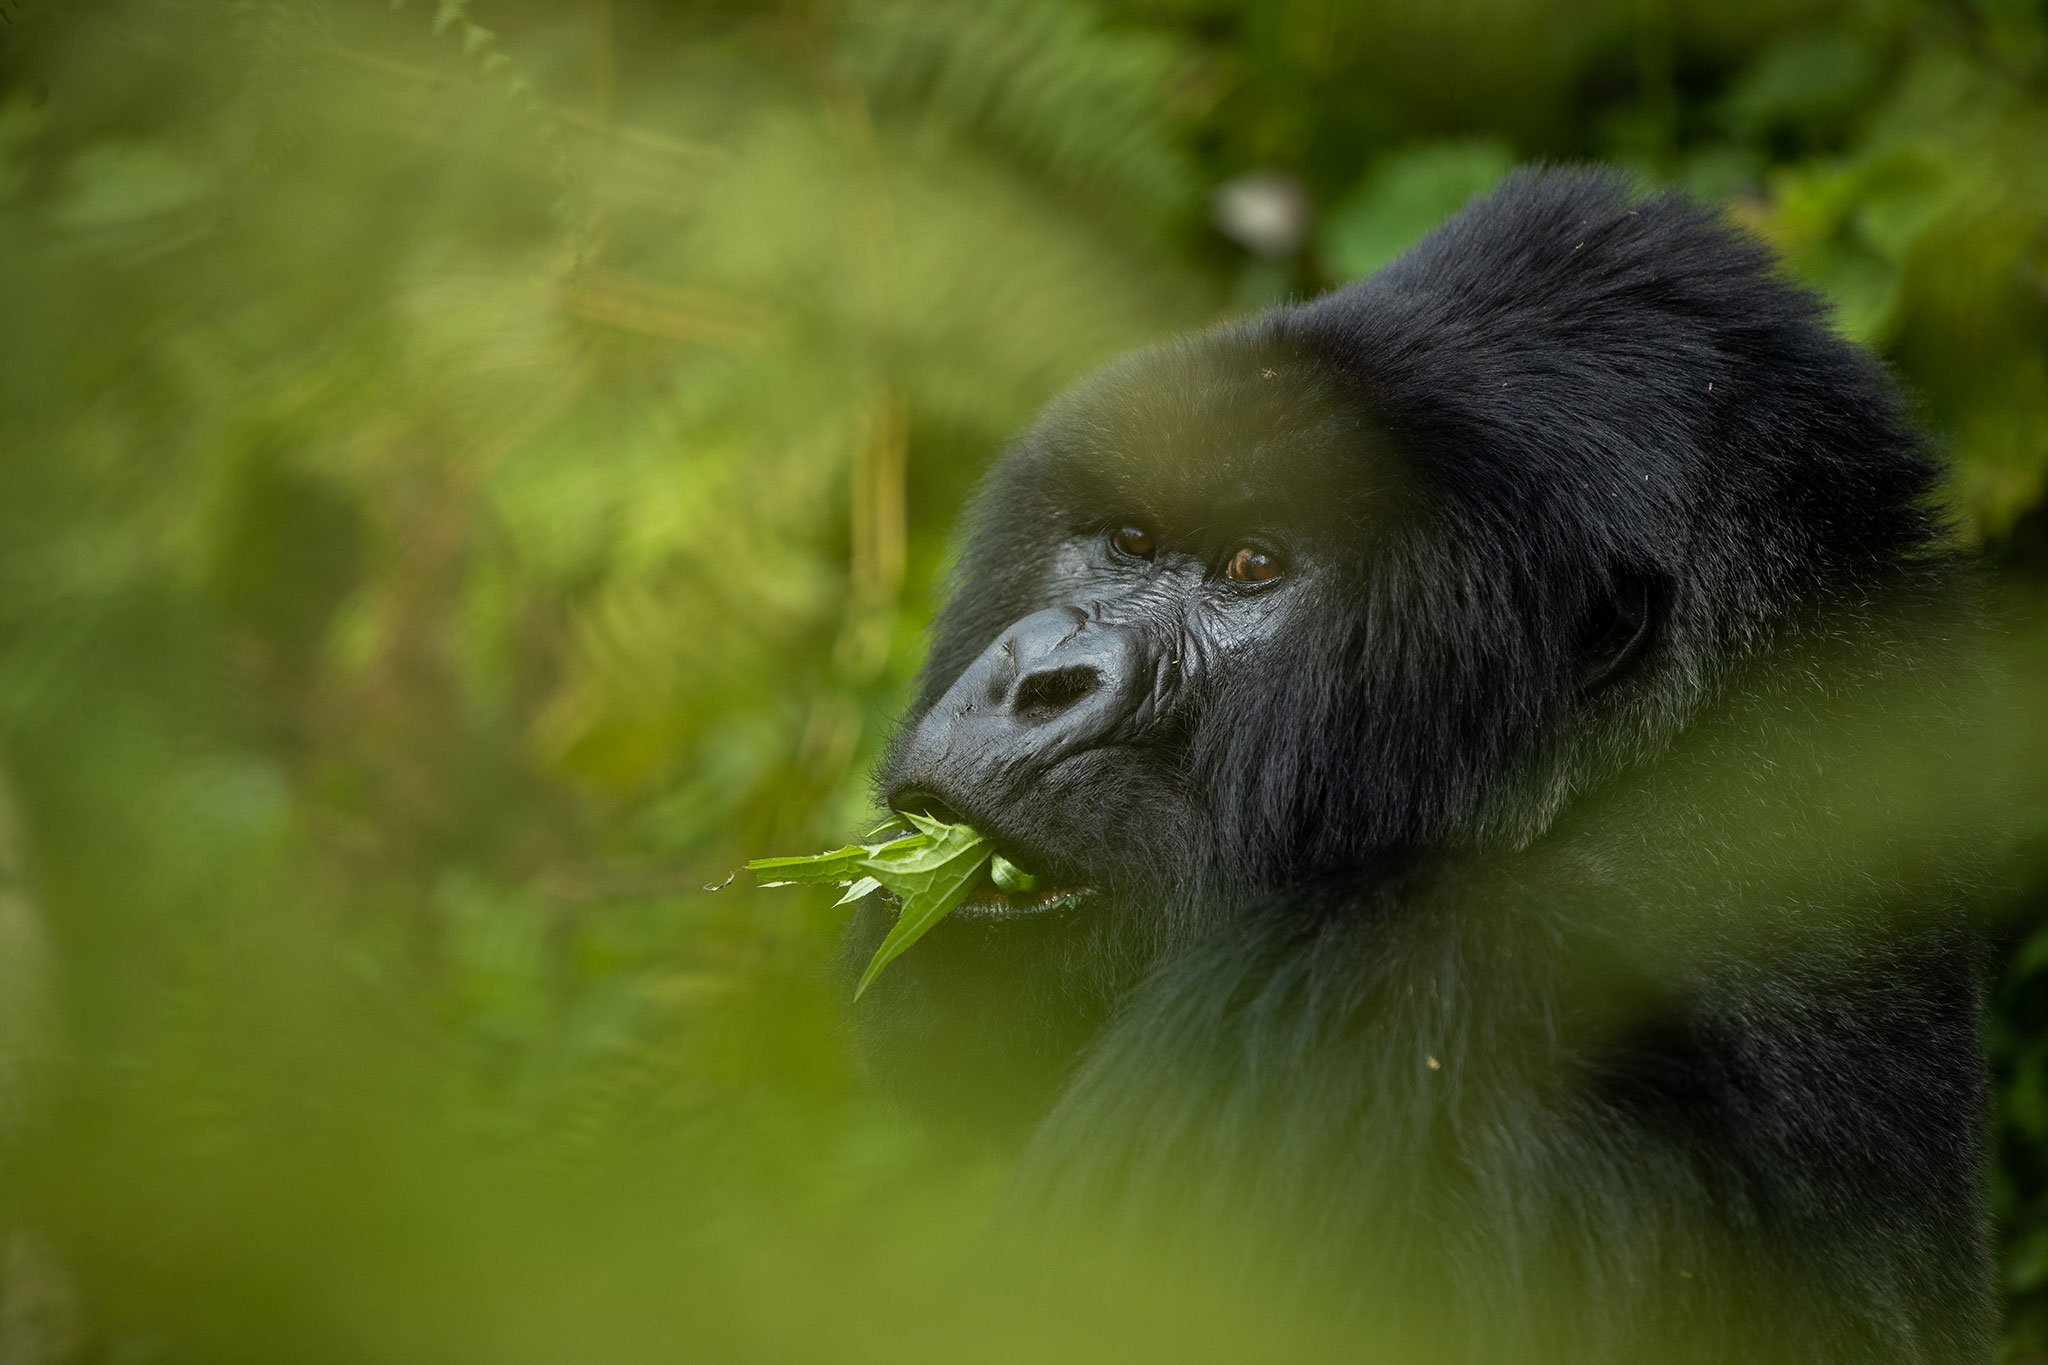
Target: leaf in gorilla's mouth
<point>930,873</point>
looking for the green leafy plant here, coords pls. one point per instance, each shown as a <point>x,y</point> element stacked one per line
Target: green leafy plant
<point>929,872</point>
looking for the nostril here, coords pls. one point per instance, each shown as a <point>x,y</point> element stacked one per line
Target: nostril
<point>1041,696</point>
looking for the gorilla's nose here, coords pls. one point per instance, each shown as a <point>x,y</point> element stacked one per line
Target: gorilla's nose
<point>1051,685</point>
<point>1043,667</point>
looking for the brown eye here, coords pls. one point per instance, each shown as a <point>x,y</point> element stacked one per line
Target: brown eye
<point>1132,541</point>
<point>1252,566</point>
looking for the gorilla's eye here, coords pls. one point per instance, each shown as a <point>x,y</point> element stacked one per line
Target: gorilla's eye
<point>1252,566</point>
<point>1132,540</point>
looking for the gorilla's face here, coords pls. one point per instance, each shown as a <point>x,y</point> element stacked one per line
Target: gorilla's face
<point>1069,737</point>
<point>1147,578</point>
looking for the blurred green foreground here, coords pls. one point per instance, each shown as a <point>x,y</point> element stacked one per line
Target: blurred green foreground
<point>472,473</point>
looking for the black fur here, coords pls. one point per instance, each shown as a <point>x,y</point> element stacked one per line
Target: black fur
<point>1533,927</point>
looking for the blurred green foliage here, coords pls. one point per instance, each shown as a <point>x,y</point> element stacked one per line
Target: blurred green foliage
<point>474,471</point>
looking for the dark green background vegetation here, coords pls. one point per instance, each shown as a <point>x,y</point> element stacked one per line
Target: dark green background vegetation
<point>474,471</point>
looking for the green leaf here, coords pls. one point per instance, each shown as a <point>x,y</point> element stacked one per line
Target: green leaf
<point>839,865</point>
<point>1009,877</point>
<point>930,872</point>
<point>930,881</point>
<point>859,890</point>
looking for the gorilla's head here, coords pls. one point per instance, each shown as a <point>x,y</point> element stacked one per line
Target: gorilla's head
<point>1395,575</point>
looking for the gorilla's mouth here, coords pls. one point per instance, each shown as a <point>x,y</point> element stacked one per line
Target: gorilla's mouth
<point>985,900</point>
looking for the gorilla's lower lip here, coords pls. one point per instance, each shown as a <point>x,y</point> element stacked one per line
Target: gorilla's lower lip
<point>987,902</point>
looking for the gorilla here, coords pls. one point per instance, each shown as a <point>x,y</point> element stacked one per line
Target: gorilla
<point>1495,748</point>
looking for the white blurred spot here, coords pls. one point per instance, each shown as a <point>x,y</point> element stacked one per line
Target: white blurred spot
<point>1266,212</point>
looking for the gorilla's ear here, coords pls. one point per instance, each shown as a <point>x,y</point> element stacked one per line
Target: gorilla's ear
<point>1618,626</point>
